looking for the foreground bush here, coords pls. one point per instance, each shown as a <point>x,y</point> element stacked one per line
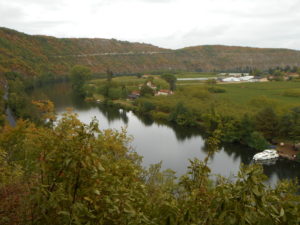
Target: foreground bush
<point>78,174</point>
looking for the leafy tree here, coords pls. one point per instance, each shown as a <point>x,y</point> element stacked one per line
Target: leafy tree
<point>257,141</point>
<point>295,129</point>
<point>287,68</point>
<point>145,106</point>
<point>77,174</point>
<point>146,91</point>
<point>171,79</point>
<point>109,75</point>
<point>181,115</point>
<point>266,121</point>
<point>245,129</point>
<point>79,74</point>
<point>285,126</point>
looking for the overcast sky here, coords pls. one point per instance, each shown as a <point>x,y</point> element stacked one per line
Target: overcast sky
<point>165,23</point>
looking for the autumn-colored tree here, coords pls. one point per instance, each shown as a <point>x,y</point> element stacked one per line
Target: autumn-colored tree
<point>77,174</point>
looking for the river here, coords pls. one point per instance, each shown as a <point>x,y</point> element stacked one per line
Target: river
<point>172,145</point>
<point>9,114</point>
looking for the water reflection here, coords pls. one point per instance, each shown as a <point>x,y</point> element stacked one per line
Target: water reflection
<point>113,114</point>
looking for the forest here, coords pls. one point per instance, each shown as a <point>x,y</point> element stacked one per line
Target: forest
<point>33,55</point>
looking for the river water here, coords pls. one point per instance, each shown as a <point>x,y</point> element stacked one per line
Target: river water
<point>172,145</point>
<point>9,114</point>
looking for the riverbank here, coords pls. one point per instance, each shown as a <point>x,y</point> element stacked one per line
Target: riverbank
<point>206,107</point>
<point>287,151</point>
<point>159,140</point>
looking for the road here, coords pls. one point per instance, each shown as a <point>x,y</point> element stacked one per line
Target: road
<point>113,54</point>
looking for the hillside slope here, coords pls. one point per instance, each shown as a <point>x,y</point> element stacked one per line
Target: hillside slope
<point>34,54</point>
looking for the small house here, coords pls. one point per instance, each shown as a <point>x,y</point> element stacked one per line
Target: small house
<point>134,95</point>
<point>137,93</point>
<point>164,92</point>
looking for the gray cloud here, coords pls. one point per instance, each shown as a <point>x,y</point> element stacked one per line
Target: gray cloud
<point>172,23</point>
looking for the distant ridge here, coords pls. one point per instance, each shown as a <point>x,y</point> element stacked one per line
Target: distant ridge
<point>36,54</point>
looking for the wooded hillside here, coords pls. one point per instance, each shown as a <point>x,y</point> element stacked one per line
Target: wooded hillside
<point>34,55</point>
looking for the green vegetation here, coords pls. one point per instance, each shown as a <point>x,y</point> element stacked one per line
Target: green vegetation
<point>253,94</point>
<point>292,93</point>
<point>2,109</point>
<point>79,74</point>
<point>67,172</point>
<point>254,114</point>
<point>120,87</point>
<point>73,173</point>
<point>35,55</point>
<point>171,79</point>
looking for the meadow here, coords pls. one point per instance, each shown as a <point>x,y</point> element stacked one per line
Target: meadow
<point>246,94</point>
<point>199,95</point>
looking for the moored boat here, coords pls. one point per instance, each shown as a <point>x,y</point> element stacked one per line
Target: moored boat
<point>266,154</point>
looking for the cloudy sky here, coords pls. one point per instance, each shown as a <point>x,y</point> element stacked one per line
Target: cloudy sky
<point>165,23</point>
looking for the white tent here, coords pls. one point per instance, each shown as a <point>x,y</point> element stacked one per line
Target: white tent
<point>231,79</point>
<point>246,78</point>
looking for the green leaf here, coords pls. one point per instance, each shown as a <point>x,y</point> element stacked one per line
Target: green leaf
<point>65,213</point>
<point>281,212</point>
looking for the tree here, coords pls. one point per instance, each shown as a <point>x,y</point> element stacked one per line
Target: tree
<point>109,75</point>
<point>295,129</point>
<point>257,141</point>
<point>75,173</point>
<point>146,91</point>
<point>285,126</point>
<point>171,79</point>
<point>181,115</point>
<point>79,74</point>
<point>266,121</point>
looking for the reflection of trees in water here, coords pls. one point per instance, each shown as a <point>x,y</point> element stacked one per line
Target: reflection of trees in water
<point>113,113</point>
<point>181,133</point>
<point>237,151</point>
<point>184,133</point>
<point>78,102</point>
<point>234,151</point>
<point>61,94</point>
<point>146,120</point>
<point>284,169</point>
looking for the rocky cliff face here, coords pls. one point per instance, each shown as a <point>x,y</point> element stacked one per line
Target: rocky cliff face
<point>34,55</point>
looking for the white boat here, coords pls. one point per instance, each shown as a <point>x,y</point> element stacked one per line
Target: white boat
<point>266,154</point>
<point>267,162</point>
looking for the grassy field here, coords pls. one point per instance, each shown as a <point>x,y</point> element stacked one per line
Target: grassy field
<point>189,82</point>
<point>253,93</point>
<point>131,81</point>
<point>278,94</point>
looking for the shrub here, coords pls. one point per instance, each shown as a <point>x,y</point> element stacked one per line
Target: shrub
<point>159,116</point>
<point>216,90</point>
<point>257,141</point>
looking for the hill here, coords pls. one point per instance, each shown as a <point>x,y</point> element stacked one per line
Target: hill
<point>34,54</point>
